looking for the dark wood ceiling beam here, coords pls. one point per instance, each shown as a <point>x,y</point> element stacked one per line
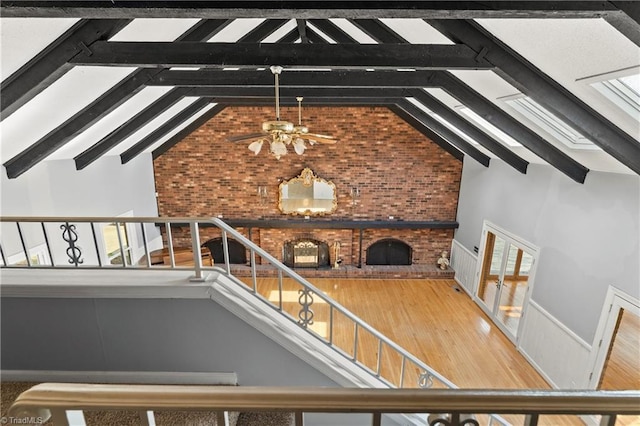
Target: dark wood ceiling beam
<point>301,24</point>
<point>422,128</point>
<point>315,101</point>
<point>543,89</point>
<point>501,151</point>
<point>153,54</point>
<point>81,121</point>
<point>52,62</point>
<point>290,37</point>
<point>262,31</point>
<point>291,93</point>
<point>161,131</point>
<point>190,128</point>
<point>89,115</point>
<point>503,121</point>
<point>627,21</point>
<point>378,31</point>
<point>128,128</point>
<point>314,37</point>
<point>446,133</point>
<point>332,31</point>
<point>304,9</point>
<point>335,78</point>
<point>205,29</point>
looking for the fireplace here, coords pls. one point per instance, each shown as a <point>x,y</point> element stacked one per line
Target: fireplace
<point>306,253</point>
<point>389,251</point>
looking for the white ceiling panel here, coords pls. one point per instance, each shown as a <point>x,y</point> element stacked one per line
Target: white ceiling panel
<point>152,125</point>
<point>154,29</point>
<point>238,28</point>
<point>53,106</point>
<point>23,38</point>
<point>179,128</point>
<point>110,122</point>
<point>416,31</point>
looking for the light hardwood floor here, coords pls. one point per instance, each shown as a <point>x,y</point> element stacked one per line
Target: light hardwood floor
<point>440,325</point>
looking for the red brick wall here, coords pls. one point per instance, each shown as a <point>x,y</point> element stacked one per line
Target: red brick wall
<point>399,172</point>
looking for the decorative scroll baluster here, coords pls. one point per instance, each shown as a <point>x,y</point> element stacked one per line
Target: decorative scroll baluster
<point>454,419</point>
<point>70,235</point>
<point>425,381</point>
<point>306,314</point>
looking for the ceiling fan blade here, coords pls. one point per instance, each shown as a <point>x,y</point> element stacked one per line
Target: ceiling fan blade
<point>243,138</point>
<point>320,138</point>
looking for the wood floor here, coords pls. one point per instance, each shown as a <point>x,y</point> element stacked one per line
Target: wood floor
<point>435,322</point>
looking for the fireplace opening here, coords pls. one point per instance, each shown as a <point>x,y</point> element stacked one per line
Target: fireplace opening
<point>389,251</point>
<point>237,252</point>
<point>306,253</point>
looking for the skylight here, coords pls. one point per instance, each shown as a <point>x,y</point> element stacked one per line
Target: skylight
<point>622,91</point>
<point>543,119</point>
<point>490,128</point>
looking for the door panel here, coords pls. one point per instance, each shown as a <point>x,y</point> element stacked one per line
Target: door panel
<point>504,280</point>
<point>490,279</point>
<point>514,289</point>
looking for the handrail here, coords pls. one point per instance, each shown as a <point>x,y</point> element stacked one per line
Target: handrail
<point>55,397</point>
<point>424,379</point>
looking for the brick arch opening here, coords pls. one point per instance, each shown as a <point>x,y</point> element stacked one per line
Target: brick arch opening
<point>389,251</point>
<point>237,252</point>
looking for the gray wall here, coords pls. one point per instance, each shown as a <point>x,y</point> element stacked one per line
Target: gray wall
<point>105,188</point>
<point>588,234</point>
<point>190,335</point>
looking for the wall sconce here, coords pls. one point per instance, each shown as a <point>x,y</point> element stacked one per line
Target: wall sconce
<point>355,193</point>
<point>262,193</point>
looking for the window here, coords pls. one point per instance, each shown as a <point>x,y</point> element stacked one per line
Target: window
<point>621,87</point>
<point>622,91</point>
<point>539,117</point>
<point>488,127</point>
<point>115,237</point>
<point>442,120</point>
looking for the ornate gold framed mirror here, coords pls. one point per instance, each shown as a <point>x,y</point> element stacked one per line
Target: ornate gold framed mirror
<point>307,195</point>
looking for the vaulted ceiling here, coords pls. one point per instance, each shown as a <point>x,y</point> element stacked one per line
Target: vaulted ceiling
<point>555,83</point>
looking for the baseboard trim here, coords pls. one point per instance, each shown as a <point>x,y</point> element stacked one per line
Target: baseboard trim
<point>132,377</point>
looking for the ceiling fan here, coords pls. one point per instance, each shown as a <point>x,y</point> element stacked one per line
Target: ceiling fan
<point>280,133</point>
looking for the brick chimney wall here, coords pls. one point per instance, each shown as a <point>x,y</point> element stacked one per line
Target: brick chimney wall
<point>399,173</point>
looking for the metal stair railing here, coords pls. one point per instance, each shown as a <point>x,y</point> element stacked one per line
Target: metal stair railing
<point>393,365</point>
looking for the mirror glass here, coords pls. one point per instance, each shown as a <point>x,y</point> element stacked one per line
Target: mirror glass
<point>307,195</point>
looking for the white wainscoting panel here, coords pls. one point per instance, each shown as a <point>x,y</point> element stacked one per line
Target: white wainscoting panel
<point>555,351</point>
<point>464,263</point>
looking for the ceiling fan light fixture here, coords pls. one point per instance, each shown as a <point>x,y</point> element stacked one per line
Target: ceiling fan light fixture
<point>281,133</point>
<point>278,148</point>
<point>256,146</point>
<point>277,126</point>
<point>299,146</point>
